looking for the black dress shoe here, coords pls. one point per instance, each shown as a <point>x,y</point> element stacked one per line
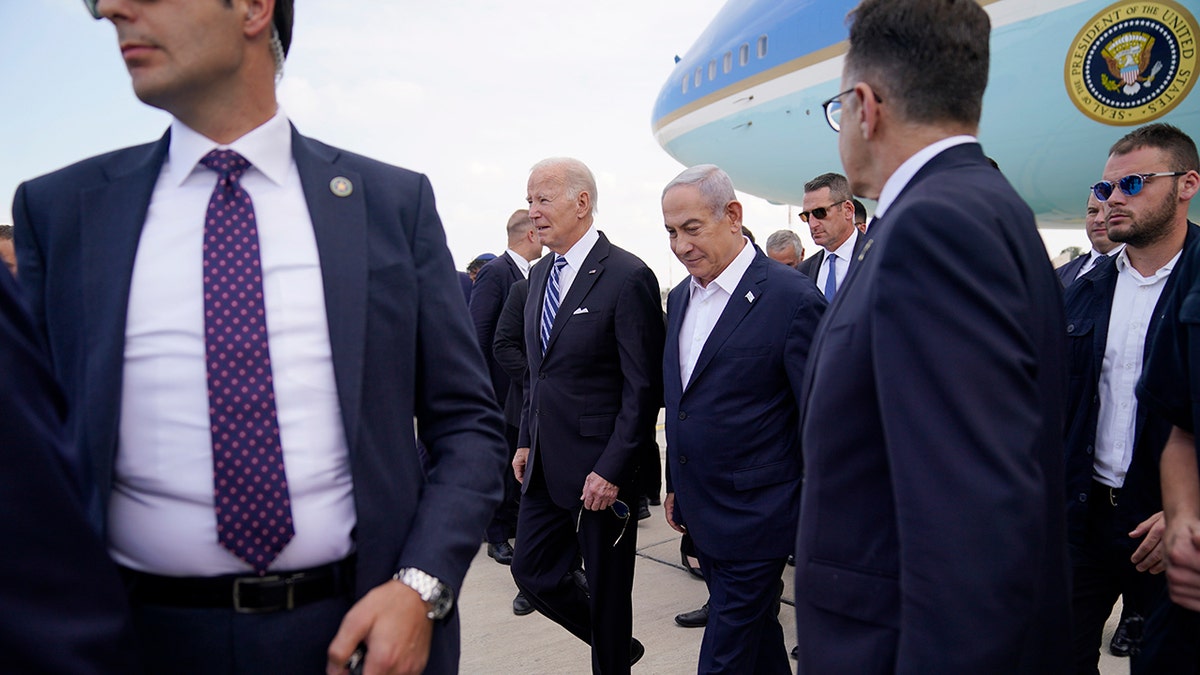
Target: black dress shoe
<point>501,553</point>
<point>521,605</point>
<point>1127,638</point>
<point>796,652</point>
<point>791,560</point>
<point>694,619</point>
<point>636,651</point>
<point>643,508</point>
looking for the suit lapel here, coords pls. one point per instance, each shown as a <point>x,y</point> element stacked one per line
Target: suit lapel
<point>680,298</point>
<point>748,291</point>
<point>533,310</point>
<point>340,228</point>
<point>585,278</point>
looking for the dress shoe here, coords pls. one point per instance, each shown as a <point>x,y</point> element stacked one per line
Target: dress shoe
<point>694,619</point>
<point>521,605</point>
<point>1127,639</point>
<point>791,560</point>
<point>643,508</point>
<point>501,553</point>
<point>796,652</point>
<point>636,651</point>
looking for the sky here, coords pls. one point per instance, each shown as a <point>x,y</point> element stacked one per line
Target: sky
<point>470,92</point>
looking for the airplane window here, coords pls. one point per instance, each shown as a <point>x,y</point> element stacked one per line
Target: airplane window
<point>727,62</point>
<point>744,55</point>
<point>712,70</point>
<point>762,47</point>
<point>699,76</point>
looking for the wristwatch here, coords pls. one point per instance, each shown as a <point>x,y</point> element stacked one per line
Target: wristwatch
<point>437,596</point>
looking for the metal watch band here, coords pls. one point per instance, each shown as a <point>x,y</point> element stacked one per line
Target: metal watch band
<point>433,592</point>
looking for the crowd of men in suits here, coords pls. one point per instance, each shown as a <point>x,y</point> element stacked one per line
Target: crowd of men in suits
<point>226,337</point>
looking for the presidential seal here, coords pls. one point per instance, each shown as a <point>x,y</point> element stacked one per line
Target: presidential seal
<point>1133,62</point>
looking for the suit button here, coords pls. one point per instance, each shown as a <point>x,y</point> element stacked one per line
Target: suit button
<point>682,415</point>
<point>1089,449</point>
<point>1071,328</point>
<point>1083,496</point>
<point>683,459</point>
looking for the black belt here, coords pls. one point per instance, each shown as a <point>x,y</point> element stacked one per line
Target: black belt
<point>243,594</point>
<point>1105,491</point>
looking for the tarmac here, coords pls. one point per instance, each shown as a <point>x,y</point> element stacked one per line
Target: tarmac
<point>494,640</point>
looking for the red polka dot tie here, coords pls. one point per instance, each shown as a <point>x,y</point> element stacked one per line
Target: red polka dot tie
<point>250,493</point>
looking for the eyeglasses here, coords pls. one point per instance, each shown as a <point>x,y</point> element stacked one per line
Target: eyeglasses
<point>1130,185</point>
<point>833,109</point>
<point>820,213</point>
<point>91,7</point>
<point>619,508</point>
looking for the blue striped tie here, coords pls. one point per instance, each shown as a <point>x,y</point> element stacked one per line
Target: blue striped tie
<point>550,306</point>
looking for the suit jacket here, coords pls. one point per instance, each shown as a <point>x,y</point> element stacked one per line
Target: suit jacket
<point>1089,308</point>
<point>508,349</point>
<point>487,299</point>
<point>397,326</point>
<point>812,264</point>
<point>931,530</point>
<point>591,400</point>
<point>1068,270</point>
<point>62,605</point>
<point>733,433</point>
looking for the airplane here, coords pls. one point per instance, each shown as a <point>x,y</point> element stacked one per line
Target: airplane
<point>1067,79</point>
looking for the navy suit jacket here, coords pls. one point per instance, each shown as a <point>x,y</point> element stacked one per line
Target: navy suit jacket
<point>508,349</point>
<point>62,605</point>
<point>733,433</point>
<point>811,265</point>
<point>491,287</point>
<point>592,399</point>
<point>1068,270</point>
<point>1088,308</point>
<point>931,532</point>
<point>401,342</point>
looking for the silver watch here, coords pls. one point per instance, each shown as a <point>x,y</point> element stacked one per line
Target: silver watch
<point>437,596</point>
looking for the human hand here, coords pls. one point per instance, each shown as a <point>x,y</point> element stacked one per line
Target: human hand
<point>1150,555</point>
<point>392,621</point>
<point>598,493</point>
<point>669,511</point>
<point>519,462</point>
<point>1183,561</point>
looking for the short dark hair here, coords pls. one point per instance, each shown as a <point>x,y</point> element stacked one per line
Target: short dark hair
<point>1178,146</point>
<point>860,211</point>
<point>6,233</point>
<point>926,58</point>
<point>839,187</point>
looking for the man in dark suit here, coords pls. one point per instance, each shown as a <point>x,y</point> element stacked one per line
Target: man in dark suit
<point>487,300</point>
<point>246,323</point>
<point>62,606</point>
<point>1094,223</point>
<point>594,341</point>
<point>829,212</point>
<point>738,333</point>
<point>931,520</point>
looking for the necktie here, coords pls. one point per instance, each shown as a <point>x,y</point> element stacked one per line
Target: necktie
<point>250,493</point>
<point>550,306</point>
<point>831,280</point>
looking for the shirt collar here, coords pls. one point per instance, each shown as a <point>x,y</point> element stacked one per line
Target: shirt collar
<point>1123,266</point>
<point>731,276</point>
<point>579,252</point>
<point>522,263</point>
<point>904,173</point>
<point>1097,255</point>
<point>268,148</point>
<point>846,250</point>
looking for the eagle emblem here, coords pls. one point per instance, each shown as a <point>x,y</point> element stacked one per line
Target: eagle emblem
<point>1128,56</point>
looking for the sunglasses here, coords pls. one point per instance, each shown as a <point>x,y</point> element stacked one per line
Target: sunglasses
<point>1130,185</point>
<point>91,7</point>
<point>820,213</point>
<point>619,508</point>
<point>833,109</point>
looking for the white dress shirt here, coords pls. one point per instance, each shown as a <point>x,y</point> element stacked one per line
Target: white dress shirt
<point>905,172</point>
<point>522,263</point>
<point>843,253</point>
<point>575,257</point>
<point>1094,257</point>
<point>161,516</point>
<point>1132,306</point>
<point>705,307</point>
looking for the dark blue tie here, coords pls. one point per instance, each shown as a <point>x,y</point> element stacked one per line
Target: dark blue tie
<point>831,280</point>
<point>550,306</point>
<point>250,492</point>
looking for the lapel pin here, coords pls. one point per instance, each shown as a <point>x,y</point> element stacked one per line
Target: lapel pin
<point>749,296</point>
<point>866,247</point>
<point>591,271</point>
<point>341,186</point>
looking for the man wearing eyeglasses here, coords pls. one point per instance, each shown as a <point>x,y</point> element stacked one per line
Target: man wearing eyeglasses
<point>1115,495</point>
<point>829,212</point>
<point>931,535</point>
<point>247,322</point>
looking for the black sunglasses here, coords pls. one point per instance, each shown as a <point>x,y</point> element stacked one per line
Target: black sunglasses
<point>820,213</point>
<point>619,508</point>
<point>1130,185</point>
<point>91,7</point>
<point>833,109</point>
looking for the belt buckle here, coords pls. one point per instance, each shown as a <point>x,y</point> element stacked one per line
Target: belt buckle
<point>289,601</point>
<point>1112,495</point>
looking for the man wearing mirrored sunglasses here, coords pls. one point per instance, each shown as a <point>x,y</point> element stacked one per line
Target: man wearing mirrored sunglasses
<point>247,322</point>
<point>829,212</point>
<point>1114,502</point>
<point>931,519</point>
